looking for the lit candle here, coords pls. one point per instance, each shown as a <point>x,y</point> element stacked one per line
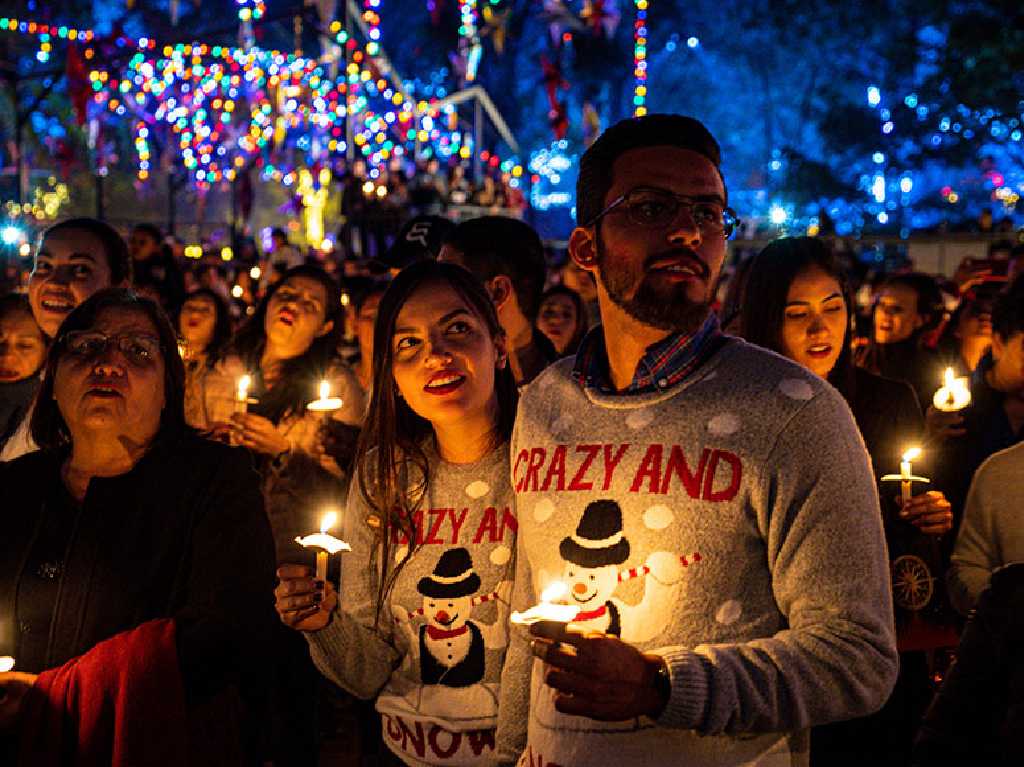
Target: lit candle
<point>242,396</point>
<point>6,664</point>
<point>326,403</point>
<point>547,610</point>
<point>954,395</point>
<point>324,541</point>
<point>906,476</point>
<point>183,348</point>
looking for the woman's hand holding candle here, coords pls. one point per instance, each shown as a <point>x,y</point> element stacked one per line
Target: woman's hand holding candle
<point>302,602</point>
<point>259,434</point>
<point>14,686</point>
<point>930,513</point>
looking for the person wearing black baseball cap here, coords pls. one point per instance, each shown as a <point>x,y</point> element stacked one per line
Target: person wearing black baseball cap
<point>507,256</point>
<point>420,238</point>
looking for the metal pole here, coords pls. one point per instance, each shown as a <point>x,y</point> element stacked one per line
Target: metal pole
<point>478,137</point>
<point>170,202</point>
<point>99,195</point>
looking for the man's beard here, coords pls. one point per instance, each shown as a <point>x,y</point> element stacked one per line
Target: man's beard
<point>665,306</point>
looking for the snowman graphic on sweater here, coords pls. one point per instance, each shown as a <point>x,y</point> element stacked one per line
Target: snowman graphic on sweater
<point>593,557</point>
<point>452,648</point>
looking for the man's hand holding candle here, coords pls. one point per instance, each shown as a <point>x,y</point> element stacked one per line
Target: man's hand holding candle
<point>302,602</point>
<point>598,675</point>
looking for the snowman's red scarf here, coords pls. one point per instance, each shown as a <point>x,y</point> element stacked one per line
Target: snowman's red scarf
<point>436,633</point>
<point>589,615</point>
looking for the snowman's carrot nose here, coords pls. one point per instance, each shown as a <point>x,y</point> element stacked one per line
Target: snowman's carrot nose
<point>580,588</point>
<point>442,616</point>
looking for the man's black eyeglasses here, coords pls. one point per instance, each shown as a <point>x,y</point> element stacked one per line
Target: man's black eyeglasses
<point>650,207</point>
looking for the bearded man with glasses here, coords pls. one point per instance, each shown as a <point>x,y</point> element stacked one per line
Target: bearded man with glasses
<point>707,506</point>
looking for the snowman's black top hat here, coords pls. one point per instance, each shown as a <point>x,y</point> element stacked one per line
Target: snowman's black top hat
<point>453,576</point>
<point>598,540</point>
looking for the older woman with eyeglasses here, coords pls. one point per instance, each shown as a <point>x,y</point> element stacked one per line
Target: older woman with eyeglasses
<point>136,570</point>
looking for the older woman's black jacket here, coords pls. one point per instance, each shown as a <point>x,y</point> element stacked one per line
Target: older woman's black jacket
<point>182,535</point>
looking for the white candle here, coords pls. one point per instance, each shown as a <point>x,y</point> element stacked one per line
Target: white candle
<point>242,396</point>
<point>6,664</point>
<point>324,541</point>
<point>954,395</point>
<point>906,477</point>
<point>547,610</point>
<point>326,403</point>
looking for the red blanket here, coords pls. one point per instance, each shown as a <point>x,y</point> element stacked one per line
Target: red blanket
<point>120,704</point>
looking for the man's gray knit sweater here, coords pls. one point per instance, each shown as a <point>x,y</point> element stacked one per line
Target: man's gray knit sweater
<point>729,524</point>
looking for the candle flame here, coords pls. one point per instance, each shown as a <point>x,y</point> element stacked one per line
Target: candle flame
<point>912,454</point>
<point>6,664</point>
<point>949,378</point>
<point>330,519</point>
<point>554,591</point>
<point>243,386</point>
<point>325,389</point>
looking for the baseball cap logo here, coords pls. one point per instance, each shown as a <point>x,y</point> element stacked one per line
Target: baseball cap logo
<point>418,232</point>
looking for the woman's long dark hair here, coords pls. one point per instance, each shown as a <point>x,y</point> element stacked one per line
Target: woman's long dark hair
<point>298,375</point>
<point>763,301</point>
<point>392,467</point>
<point>49,430</point>
<point>217,347</point>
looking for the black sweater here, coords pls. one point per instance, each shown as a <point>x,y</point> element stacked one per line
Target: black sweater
<point>182,535</point>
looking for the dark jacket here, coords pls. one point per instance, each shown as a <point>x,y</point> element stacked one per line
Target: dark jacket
<point>905,361</point>
<point>988,431</point>
<point>182,535</point>
<point>977,717</point>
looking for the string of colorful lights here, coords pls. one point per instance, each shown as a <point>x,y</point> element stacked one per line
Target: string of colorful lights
<point>640,59</point>
<point>224,107</point>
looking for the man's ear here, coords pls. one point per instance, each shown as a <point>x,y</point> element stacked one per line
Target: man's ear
<point>583,249</point>
<point>501,290</point>
<point>327,328</point>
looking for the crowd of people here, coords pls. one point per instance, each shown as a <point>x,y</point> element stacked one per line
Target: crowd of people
<point>692,452</point>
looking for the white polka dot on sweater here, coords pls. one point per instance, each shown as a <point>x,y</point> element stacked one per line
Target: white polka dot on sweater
<point>658,517</point>
<point>710,376</point>
<point>729,612</point>
<point>562,424</point>
<point>726,423</point>
<point>477,489</point>
<point>400,554</point>
<point>796,388</point>
<point>501,555</point>
<point>543,510</point>
<point>638,419</point>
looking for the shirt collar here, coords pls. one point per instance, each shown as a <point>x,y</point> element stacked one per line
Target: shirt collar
<point>663,365</point>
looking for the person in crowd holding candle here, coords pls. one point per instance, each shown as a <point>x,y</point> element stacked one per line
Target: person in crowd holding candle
<point>507,256</point>
<point>204,325</point>
<point>994,419</point>
<point>990,535</point>
<point>663,438</point>
<point>907,308</point>
<point>796,302</point>
<point>968,335</point>
<point>287,348</point>
<point>22,352</point>
<point>74,259</point>
<point>421,621</point>
<point>136,568</point>
<point>563,319</point>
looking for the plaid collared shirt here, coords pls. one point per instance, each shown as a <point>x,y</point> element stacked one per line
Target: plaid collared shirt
<point>663,365</point>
